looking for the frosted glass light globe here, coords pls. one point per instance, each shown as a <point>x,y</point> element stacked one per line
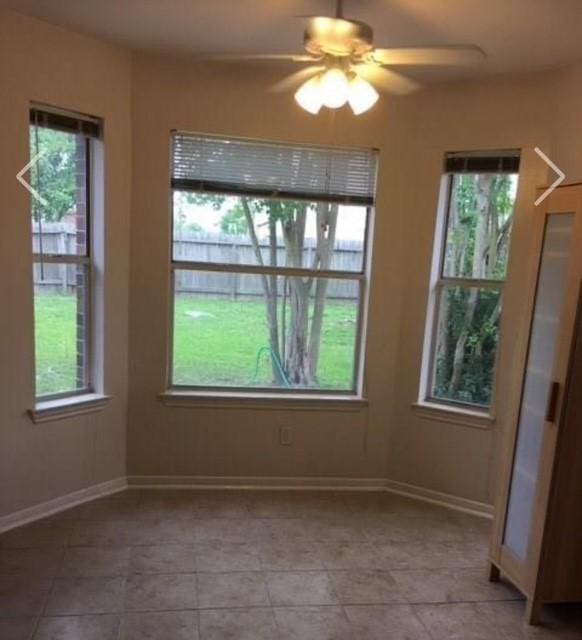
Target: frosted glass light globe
<point>361,95</point>
<point>334,87</point>
<point>308,96</point>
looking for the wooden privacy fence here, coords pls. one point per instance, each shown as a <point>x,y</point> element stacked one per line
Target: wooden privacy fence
<point>57,238</point>
<point>202,247</point>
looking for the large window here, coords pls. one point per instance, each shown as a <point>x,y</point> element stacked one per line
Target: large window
<point>471,252</point>
<point>269,265</point>
<point>60,149</point>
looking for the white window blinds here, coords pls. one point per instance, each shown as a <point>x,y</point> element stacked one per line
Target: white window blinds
<point>61,121</point>
<point>205,163</point>
<point>483,162</point>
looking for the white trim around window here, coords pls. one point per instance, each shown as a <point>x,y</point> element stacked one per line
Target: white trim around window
<point>68,262</point>
<point>266,180</point>
<point>447,407</point>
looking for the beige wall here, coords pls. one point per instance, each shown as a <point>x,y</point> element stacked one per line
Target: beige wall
<point>236,441</point>
<point>506,113</point>
<point>42,63</point>
<point>385,439</point>
<point>567,122</point>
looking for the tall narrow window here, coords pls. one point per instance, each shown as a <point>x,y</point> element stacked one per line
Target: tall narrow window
<point>470,265</point>
<point>269,265</point>
<point>60,147</point>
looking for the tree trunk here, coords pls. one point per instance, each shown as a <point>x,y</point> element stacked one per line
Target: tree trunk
<point>297,349</point>
<point>297,337</point>
<point>455,266</point>
<point>459,356</point>
<point>482,204</point>
<point>326,230</point>
<point>270,292</point>
<point>273,292</point>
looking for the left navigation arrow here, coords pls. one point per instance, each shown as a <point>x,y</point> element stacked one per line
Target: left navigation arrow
<point>20,177</point>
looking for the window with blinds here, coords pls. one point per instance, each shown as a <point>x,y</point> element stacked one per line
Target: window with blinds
<point>264,169</point>
<point>269,265</point>
<point>61,175</point>
<point>472,251</point>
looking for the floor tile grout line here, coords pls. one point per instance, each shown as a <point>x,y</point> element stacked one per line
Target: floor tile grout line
<point>324,569</point>
<point>260,607</point>
<point>198,619</point>
<point>429,633</point>
<point>333,589</point>
<point>53,581</point>
<point>385,604</point>
<point>45,602</point>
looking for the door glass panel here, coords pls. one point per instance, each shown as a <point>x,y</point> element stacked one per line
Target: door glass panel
<point>542,350</point>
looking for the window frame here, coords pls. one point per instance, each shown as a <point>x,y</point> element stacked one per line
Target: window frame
<point>439,282</point>
<point>361,277</point>
<point>89,128</point>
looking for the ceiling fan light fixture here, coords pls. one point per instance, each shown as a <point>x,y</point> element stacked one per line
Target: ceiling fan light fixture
<point>334,88</point>
<point>361,95</point>
<point>309,95</point>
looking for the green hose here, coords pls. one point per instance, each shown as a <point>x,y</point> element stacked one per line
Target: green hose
<point>278,365</point>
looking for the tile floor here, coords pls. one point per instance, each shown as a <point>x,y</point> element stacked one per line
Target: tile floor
<point>217,565</point>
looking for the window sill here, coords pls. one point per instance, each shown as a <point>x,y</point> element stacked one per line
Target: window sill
<point>48,410</point>
<point>453,415</point>
<point>298,402</point>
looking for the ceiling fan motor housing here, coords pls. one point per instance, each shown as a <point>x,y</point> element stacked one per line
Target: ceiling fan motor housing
<point>338,37</point>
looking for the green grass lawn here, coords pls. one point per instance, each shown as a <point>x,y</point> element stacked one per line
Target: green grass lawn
<point>216,343</point>
<point>55,343</point>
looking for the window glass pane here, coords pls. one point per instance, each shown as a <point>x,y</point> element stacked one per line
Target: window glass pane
<point>61,327</point>
<point>245,230</point>
<point>466,344</point>
<point>479,225</point>
<point>228,332</point>
<point>59,214</point>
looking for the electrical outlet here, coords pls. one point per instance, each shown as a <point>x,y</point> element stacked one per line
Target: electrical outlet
<point>285,436</point>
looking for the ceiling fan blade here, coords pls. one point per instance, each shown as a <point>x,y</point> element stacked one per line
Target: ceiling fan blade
<point>386,79</point>
<point>295,79</point>
<point>255,57</point>
<point>459,55</point>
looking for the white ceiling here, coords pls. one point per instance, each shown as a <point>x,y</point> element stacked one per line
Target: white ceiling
<point>517,35</point>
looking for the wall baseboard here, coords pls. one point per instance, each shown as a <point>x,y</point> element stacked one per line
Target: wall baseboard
<point>274,483</point>
<point>448,500</point>
<point>50,507</point>
<point>339,484</point>
<point>255,482</point>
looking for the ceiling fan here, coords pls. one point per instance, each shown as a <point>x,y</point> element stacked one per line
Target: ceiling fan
<point>345,67</point>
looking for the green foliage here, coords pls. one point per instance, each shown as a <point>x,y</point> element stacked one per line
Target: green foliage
<point>263,211</point>
<point>180,224</point>
<point>478,361</point>
<point>233,222</point>
<point>477,246</point>
<point>463,223</point>
<point>204,199</point>
<point>53,176</point>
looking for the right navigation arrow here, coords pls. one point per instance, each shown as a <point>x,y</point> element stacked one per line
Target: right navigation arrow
<point>558,181</point>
